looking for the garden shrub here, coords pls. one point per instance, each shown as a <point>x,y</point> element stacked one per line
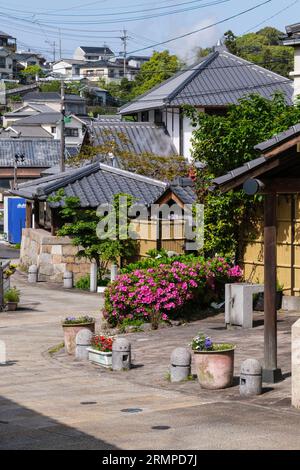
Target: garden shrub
<point>167,289</point>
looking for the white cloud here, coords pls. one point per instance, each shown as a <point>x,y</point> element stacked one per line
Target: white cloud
<point>185,47</point>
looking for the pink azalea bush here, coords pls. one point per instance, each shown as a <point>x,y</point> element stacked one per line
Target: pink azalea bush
<point>165,289</point>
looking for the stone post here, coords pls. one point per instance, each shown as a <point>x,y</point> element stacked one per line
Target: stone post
<point>83,341</point>
<point>93,277</point>
<point>113,272</point>
<point>296,364</point>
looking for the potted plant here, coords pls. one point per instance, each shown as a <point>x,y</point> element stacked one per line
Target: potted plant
<point>214,362</point>
<point>259,299</point>
<point>12,299</point>
<point>100,351</point>
<point>72,326</point>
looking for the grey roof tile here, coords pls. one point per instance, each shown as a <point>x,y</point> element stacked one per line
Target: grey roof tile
<point>95,184</point>
<point>40,153</point>
<point>219,79</point>
<point>142,137</point>
<point>279,138</point>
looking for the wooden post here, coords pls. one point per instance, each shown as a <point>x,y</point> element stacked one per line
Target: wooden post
<point>28,214</point>
<point>271,373</point>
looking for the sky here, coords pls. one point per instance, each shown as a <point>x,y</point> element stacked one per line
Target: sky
<point>36,24</point>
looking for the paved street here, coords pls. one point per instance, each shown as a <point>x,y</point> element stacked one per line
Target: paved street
<point>8,252</point>
<point>52,402</point>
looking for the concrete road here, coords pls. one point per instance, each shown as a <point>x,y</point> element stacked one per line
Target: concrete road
<point>8,252</point>
<point>52,402</point>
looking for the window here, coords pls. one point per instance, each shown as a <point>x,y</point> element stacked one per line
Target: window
<point>145,116</point>
<point>71,132</point>
<point>53,130</point>
<point>158,116</point>
<point>111,73</point>
<point>3,62</point>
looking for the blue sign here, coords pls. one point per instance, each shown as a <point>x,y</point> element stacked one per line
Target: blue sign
<point>16,219</point>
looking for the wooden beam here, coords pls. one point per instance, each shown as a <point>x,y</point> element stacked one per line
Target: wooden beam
<point>283,147</point>
<point>271,373</point>
<point>281,185</point>
<point>28,214</point>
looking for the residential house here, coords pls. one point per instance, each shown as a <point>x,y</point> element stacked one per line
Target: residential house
<point>109,70</point>
<point>22,60</point>
<point>6,64</point>
<point>211,85</point>
<point>24,111</point>
<point>137,61</point>
<point>39,154</point>
<point>293,39</point>
<point>74,104</point>
<point>89,54</point>
<point>49,123</point>
<point>8,42</point>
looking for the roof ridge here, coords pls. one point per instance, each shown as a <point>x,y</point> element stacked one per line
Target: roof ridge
<point>200,66</point>
<point>132,175</point>
<point>68,178</point>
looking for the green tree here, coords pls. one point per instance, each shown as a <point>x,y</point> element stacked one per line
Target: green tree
<point>122,91</point>
<point>81,225</point>
<point>224,143</point>
<point>263,48</point>
<point>160,67</point>
<point>32,71</point>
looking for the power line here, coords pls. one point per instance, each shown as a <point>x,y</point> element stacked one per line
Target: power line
<point>204,28</point>
<point>273,16</point>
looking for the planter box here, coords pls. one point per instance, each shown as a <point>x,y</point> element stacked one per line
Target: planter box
<point>70,333</point>
<point>11,306</point>
<point>100,358</point>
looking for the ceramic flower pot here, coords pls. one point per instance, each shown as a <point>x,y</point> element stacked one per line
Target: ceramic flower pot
<point>100,358</point>
<point>70,333</point>
<point>215,368</point>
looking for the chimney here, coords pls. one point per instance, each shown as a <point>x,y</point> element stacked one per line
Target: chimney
<point>292,38</point>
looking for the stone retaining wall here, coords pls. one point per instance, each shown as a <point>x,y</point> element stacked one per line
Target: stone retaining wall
<point>52,255</point>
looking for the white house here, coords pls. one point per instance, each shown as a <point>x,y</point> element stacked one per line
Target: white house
<point>211,85</point>
<point>293,39</point>
<point>88,54</point>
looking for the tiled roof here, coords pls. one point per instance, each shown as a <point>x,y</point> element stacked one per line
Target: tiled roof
<point>40,153</point>
<point>50,96</point>
<point>25,132</point>
<point>279,138</point>
<point>97,50</point>
<point>231,175</point>
<point>94,185</point>
<point>41,118</point>
<point>219,79</point>
<point>142,137</point>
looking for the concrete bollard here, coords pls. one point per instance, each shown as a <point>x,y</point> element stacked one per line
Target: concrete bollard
<point>181,360</point>
<point>121,354</point>
<point>113,272</point>
<point>251,378</point>
<point>33,274</point>
<point>68,280</point>
<point>83,341</point>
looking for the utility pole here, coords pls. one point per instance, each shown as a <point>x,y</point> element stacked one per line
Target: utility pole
<point>124,39</point>
<point>62,128</point>
<point>18,158</point>
<point>60,45</point>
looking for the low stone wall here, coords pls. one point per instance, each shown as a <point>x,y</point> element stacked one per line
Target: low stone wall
<point>52,255</point>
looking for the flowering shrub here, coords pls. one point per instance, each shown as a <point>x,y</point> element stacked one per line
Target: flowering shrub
<point>102,343</point>
<point>166,289</point>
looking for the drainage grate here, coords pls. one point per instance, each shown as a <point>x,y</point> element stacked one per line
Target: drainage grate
<point>132,410</point>
<point>160,428</point>
<point>3,422</point>
<point>88,403</point>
